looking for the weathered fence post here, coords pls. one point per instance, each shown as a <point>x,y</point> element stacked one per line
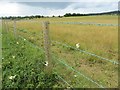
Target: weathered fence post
<point>15,29</point>
<point>4,26</point>
<point>7,26</point>
<point>48,62</point>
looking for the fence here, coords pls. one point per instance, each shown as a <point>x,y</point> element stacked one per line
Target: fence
<point>61,61</point>
<point>86,23</point>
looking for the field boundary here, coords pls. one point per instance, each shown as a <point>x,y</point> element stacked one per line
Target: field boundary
<point>16,34</point>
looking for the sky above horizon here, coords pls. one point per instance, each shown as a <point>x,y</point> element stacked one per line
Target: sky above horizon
<point>50,8</point>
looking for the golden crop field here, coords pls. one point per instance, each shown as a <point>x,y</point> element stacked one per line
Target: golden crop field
<point>102,41</point>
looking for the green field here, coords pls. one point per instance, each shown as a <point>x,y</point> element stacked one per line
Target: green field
<point>66,61</point>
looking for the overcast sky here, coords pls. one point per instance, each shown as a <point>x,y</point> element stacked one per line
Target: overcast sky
<point>52,7</point>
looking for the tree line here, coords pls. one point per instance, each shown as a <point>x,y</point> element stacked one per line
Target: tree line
<point>91,14</point>
<point>27,17</point>
<point>66,15</point>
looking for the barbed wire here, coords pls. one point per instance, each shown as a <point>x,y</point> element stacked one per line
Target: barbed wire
<point>63,79</point>
<point>66,64</point>
<point>35,46</point>
<point>85,23</point>
<point>79,73</point>
<point>60,77</point>
<point>82,51</point>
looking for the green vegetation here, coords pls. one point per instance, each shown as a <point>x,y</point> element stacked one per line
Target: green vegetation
<point>23,65</point>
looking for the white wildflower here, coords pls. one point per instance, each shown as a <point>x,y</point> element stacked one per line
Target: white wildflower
<point>2,58</point>
<point>13,56</point>
<point>75,75</point>
<point>24,39</point>
<point>17,42</point>
<point>12,77</point>
<point>46,63</point>
<point>77,45</point>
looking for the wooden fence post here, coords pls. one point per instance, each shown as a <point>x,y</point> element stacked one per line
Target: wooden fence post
<point>15,29</point>
<point>7,26</point>
<point>4,26</point>
<point>48,62</point>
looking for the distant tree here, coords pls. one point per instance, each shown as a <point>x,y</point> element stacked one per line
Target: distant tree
<point>60,16</point>
<point>67,15</point>
<point>42,16</point>
<point>53,16</point>
<point>37,16</point>
<point>74,14</point>
<point>31,17</point>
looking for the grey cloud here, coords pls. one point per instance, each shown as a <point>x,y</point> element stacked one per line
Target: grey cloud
<point>94,5</point>
<point>51,5</point>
